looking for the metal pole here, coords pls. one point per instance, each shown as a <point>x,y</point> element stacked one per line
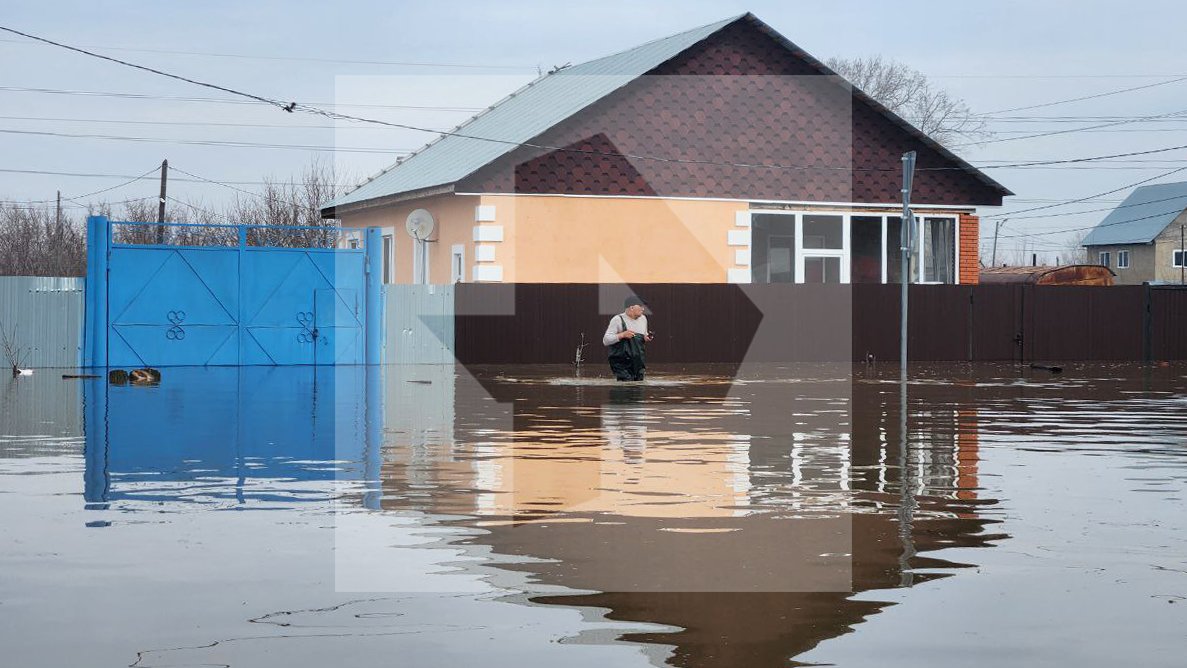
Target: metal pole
<point>375,321</point>
<point>906,236</point>
<point>1182,257</point>
<point>58,216</point>
<point>996,228</point>
<point>161,203</point>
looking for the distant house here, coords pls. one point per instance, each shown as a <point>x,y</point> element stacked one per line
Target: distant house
<point>1142,239</point>
<point>721,154</point>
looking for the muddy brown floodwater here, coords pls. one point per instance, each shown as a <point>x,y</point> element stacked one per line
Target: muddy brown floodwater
<point>525,516</point>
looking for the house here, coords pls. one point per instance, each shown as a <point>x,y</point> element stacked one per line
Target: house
<point>1142,239</point>
<point>1070,274</point>
<point>721,154</point>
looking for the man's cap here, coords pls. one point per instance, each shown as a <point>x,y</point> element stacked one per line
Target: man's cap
<point>633,300</point>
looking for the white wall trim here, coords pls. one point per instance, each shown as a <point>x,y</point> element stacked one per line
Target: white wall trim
<point>739,238</point>
<point>488,233</point>
<point>484,253</point>
<point>487,273</point>
<point>890,206</point>
<point>742,257</point>
<point>742,218</point>
<point>739,276</point>
<point>484,213</point>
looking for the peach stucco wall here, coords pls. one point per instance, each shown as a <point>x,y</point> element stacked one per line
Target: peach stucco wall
<point>563,239</point>
<point>455,223</point>
<point>613,240</point>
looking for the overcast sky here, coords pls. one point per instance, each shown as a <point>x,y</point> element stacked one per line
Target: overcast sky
<point>996,56</point>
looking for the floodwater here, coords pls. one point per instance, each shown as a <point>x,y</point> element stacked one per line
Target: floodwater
<point>525,516</point>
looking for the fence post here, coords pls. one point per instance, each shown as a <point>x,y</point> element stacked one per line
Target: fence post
<point>374,277</point>
<point>98,245</point>
<point>1148,327</point>
<point>971,323</point>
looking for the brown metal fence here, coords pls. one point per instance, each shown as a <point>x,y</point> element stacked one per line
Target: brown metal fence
<point>543,323</point>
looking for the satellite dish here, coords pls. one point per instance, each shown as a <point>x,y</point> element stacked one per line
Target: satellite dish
<point>420,224</point>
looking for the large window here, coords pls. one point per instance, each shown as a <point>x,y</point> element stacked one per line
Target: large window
<point>865,248</point>
<point>1103,259</point>
<point>1178,257</point>
<point>772,248</point>
<point>800,247</point>
<point>938,244</point>
<point>1123,259</point>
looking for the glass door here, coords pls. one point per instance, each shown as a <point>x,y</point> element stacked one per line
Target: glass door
<point>824,249</point>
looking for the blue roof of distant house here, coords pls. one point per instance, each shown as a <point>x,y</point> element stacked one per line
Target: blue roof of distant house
<point>1141,217</point>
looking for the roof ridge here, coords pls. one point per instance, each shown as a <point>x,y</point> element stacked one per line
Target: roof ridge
<point>720,24</point>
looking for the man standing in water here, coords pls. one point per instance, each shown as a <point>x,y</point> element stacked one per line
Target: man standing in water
<point>626,338</point>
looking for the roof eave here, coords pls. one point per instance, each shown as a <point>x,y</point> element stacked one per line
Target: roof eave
<point>337,211</point>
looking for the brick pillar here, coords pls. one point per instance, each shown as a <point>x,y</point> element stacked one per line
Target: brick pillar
<point>970,249</point>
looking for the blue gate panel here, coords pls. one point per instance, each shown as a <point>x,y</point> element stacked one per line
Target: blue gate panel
<point>162,305</point>
<point>196,345</point>
<point>338,319</point>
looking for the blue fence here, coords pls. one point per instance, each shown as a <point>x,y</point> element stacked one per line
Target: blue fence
<point>231,295</point>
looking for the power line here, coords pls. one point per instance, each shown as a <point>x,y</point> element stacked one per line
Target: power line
<point>124,121</point>
<point>209,142</point>
<point>220,100</point>
<point>90,194</point>
<point>1053,133</point>
<point>1089,197</point>
<point>1109,208</point>
<point>291,107</point>
<point>1088,97</point>
<point>241,190</point>
<point>1097,226</point>
<point>126,176</point>
<point>300,59</point>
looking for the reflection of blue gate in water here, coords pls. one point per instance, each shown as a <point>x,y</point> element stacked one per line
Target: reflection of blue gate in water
<point>234,434</point>
<point>231,295</point>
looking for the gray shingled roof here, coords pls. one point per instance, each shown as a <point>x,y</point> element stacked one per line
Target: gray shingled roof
<point>1141,217</point>
<point>523,115</point>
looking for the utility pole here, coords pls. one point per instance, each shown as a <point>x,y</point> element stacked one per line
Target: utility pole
<point>1182,258</point>
<point>996,228</point>
<point>58,217</point>
<point>906,238</point>
<point>161,203</point>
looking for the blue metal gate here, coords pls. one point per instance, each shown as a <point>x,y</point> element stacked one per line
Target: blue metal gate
<point>195,295</point>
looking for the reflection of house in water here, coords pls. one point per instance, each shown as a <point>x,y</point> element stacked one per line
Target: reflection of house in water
<point>746,514</point>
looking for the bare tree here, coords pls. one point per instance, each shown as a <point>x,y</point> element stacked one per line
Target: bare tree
<point>1074,251</point>
<point>908,93</point>
<point>35,242</point>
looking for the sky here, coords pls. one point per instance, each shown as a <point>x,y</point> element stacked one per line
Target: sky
<point>449,59</point>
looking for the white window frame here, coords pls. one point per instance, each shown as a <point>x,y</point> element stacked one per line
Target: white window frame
<point>918,248</point>
<point>1103,258</point>
<point>388,244</point>
<point>846,250</point>
<point>1181,253</point>
<point>1123,259</point>
<point>457,263</point>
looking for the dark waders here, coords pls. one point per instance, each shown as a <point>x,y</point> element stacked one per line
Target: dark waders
<point>627,357</point>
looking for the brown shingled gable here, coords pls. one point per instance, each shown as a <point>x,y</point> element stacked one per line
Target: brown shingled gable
<point>742,95</point>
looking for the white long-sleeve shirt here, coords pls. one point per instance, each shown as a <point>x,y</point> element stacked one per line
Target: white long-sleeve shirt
<point>637,325</point>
